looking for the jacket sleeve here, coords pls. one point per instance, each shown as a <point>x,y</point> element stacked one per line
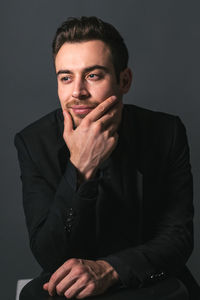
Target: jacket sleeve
<point>171,243</point>
<point>60,220</point>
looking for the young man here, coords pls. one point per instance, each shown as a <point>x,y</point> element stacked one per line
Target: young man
<point>107,187</point>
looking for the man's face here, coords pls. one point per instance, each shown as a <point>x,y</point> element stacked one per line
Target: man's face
<point>86,77</point>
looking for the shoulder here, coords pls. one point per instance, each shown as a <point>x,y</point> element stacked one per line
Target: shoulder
<point>47,129</point>
<point>146,115</point>
<point>148,120</point>
<point>43,123</point>
<point>153,129</point>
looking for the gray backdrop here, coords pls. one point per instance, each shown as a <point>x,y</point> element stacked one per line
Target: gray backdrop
<point>163,38</point>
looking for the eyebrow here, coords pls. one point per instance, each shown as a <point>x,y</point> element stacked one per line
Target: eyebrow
<point>88,69</point>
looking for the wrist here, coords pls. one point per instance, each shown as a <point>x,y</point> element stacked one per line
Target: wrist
<point>83,173</point>
<point>109,269</point>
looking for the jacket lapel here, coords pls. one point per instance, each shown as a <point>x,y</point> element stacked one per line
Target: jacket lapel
<point>121,188</point>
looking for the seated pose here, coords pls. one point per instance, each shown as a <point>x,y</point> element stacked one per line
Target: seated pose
<point>107,187</point>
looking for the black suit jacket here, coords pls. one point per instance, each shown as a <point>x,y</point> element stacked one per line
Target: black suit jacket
<point>137,213</point>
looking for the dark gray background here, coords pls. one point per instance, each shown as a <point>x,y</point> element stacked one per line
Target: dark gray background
<point>163,38</point>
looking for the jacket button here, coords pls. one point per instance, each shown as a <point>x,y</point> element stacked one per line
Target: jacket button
<point>68,227</point>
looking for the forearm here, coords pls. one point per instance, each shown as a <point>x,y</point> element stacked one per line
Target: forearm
<point>164,251</point>
<point>46,208</point>
<point>162,256</point>
<point>167,226</point>
<point>62,235</point>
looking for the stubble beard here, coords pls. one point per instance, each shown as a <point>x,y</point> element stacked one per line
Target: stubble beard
<point>76,120</point>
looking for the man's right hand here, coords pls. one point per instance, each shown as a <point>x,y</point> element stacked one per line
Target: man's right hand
<point>95,138</point>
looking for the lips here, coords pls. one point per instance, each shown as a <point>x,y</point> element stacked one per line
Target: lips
<point>81,109</point>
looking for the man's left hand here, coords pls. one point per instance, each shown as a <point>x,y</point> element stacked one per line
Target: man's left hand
<point>81,278</point>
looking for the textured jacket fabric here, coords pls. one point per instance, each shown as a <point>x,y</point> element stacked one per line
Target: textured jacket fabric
<point>137,213</point>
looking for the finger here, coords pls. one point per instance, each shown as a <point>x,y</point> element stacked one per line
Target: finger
<point>45,286</point>
<point>111,130</point>
<point>113,116</point>
<point>68,123</point>
<point>113,140</point>
<point>109,124</point>
<point>65,284</point>
<point>114,109</point>
<point>57,277</point>
<point>76,288</point>
<point>87,291</point>
<point>101,109</point>
<point>116,137</point>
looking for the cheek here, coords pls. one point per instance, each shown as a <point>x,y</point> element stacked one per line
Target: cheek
<point>102,91</point>
<point>63,93</point>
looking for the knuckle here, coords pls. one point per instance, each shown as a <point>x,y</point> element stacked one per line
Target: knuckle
<point>79,270</point>
<point>101,108</point>
<point>112,139</point>
<point>107,133</point>
<point>71,261</point>
<point>65,266</point>
<point>53,278</point>
<point>98,126</point>
<point>85,122</point>
<point>86,277</point>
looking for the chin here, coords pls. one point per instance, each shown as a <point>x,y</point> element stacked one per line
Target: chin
<point>77,121</point>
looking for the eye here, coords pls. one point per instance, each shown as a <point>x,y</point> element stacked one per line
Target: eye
<point>65,79</point>
<point>94,76</point>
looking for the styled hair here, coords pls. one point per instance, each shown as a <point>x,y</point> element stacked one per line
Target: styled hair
<point>83,29</point>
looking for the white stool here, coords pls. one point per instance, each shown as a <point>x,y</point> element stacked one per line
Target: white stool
<point>20,284</point>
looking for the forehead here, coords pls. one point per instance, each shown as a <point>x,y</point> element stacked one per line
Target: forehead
<point>83,54</point>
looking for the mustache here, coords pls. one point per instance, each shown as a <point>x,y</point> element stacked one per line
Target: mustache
<point>85,103</point>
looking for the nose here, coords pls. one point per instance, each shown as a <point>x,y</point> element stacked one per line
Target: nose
<point>79,89</point>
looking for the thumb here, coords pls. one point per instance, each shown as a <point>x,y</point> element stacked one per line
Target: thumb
<point>45,286</point>
<point>68,123</point>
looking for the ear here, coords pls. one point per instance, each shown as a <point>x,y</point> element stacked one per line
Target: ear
<point>125,80</point>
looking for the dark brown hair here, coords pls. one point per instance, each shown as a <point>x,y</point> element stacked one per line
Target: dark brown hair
<point>92,28</point>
